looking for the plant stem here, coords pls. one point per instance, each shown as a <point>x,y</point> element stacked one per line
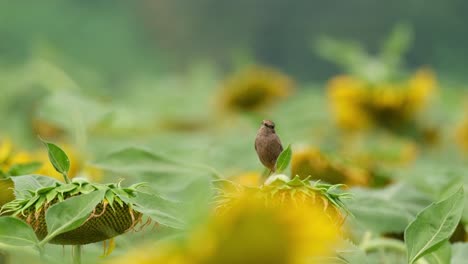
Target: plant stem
<point>383,243</point>
<point>379,243</point>
<point>76,253</point>
<point>65,177</point>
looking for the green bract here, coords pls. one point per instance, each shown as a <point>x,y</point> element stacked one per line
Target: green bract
<point>280,188</point>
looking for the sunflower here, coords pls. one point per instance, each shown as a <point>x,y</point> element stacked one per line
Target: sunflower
<point>251,231</point>
<point>461,136</point>
<point>254,89</point>
<point>251,179</point>
<point>46,129</point>
<point>270,224</point>
<point>359,104</point>
<point>5,149</point>
<point>310,162</point>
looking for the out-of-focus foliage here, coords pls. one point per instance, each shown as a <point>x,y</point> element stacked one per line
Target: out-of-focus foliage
<point>163,93</point>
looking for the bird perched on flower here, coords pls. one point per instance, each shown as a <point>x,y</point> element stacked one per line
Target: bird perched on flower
<point>268,145</point>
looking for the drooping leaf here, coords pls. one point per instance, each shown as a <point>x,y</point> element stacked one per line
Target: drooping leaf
<point>109,247</point>
<point>283,159</point>
<point>71,213</point>
<point>58,158</point>
<point>434,225</point>
<point>26,183</point>
<point>15,232</point>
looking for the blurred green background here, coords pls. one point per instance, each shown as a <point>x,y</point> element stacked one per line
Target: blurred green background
<point>192,80</point>
<point>113,40</point>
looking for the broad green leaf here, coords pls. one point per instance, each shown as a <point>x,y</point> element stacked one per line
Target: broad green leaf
<point>156,207</point>
<point>283,159</point>
<point>15,232</point>
<point>163,173</point>
<point>459,253</point>
<point>465,210</point>
<point>58,158</point>
<point>351,254</point>
<point>71,213</point>
<point>26,183</point>
<point>434,225</point>
<point>24,168</point>
<point>386,210</point>
<point>441,255</point>
<point>135,159</point>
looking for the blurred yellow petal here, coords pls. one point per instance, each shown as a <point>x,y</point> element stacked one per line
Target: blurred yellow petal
<point>5,149</point>
<point>254,89</point>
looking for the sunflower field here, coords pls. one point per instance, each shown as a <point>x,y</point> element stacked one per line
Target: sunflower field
<point>219,132</point>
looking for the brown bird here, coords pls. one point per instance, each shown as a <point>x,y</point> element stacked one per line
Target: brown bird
<point>268,145</point>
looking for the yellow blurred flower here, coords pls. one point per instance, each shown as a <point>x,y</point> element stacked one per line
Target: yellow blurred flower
<point>6,191</point>
<point>461,136</point>
<point>280,222</point>
<point>5,149</point>
<point>77,163</point>
<point>359,105</point>
<point>159,254</point>
<point>252,231</point>
<point>254,89</point>
<point>46,129</point>
<point>252,179</point>
<point>310,162</point>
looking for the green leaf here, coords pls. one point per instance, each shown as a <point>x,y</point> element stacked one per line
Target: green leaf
<point>24,168</point>
<point>351,254</point>
<point>441,255</point>
<point>15,232</point>
<point>156,207</point>
<point>71,213</point>
<point>434,225</point>
<point>26,183</point>
<point>164,174</point>
<point>131,160</point>
<point>386,210</point>
<point>459,253</point>
<point>3,175</point>
<point>283,159</point>
<point>58,158</point>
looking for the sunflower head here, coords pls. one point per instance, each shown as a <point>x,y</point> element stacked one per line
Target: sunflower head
<point>5,149</point>
<point>46,129</point>
<point>275,223</point>
<point>359,104</point>
<point>254,89</point>
<point>311,163</point>
<point>111,217</point>
<point>461,136</point>
<point>283,221</point>
<point>280,191</point>
<point>251,179</point>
